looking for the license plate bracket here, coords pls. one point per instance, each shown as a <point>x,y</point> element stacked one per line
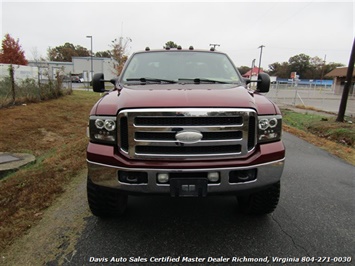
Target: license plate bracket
<point>188,187</point>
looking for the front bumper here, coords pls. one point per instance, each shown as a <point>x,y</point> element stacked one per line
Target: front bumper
<point>107,176</point>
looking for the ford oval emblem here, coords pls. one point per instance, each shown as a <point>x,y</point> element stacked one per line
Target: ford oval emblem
<point>188,137</point>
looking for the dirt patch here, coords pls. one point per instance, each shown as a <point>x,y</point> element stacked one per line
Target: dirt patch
<point>49,136</point>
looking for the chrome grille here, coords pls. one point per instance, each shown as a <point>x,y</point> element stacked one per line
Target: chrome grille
<point>152,133</point>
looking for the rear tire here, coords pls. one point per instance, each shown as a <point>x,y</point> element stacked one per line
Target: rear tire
<point>262,202</point>
<point>105,202</point>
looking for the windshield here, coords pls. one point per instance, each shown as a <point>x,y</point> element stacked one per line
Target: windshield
<point>181,67</point>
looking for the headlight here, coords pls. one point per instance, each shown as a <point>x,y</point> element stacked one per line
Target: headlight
<point>269,128</point>
<point>102,129</point>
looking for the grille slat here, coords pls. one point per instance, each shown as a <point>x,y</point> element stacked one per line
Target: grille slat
<point>187,121</point>
<point>170,136</point>
<point>251,133</point>
<point>124,133</point>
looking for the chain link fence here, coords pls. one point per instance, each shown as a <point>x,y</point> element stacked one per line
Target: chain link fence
<point>14,90</point>
<point>319,97</point>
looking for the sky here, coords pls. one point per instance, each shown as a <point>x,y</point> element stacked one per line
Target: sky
<point>285,29</point>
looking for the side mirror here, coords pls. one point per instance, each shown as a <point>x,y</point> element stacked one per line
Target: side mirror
<point>98,82</point>
<point>263,83</point>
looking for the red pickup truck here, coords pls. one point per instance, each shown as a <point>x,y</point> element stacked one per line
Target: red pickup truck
<point>183,122</point>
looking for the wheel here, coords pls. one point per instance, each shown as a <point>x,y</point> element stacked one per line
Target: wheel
<point>261,202</point>
<point>105,202</point>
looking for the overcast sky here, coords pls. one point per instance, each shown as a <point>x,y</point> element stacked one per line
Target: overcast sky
<point>323,29</point>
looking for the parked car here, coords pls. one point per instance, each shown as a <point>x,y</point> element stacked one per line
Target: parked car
<point>76,79</point>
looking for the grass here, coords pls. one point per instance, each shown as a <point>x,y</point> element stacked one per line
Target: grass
<point>55,132</point>
<point>322,130</point>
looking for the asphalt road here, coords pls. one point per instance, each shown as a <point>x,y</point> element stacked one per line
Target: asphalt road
<point>315,218</point>
<point>314,221</point>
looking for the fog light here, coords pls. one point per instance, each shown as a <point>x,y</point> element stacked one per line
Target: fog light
<point>240,176</point>
<point>163,178</point>
<point>213,177</point>
<point>133,177</point>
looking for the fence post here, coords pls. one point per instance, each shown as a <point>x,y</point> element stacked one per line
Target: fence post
<point>12,78</point>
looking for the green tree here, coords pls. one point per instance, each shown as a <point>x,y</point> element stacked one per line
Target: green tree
<point>105,54</point>
<point>243,69</point>
<point>316,68</point>
<point>300,64</point>
<point>306,67</point>
<point>11,52</point>
<point>171,44</point>
<point>330,66</point>
<point>280,70</point>
<point>64,53</point>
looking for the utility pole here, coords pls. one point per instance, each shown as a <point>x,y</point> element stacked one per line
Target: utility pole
<point>348,83</point>
<point>261,53</point>
<point>322,74</point>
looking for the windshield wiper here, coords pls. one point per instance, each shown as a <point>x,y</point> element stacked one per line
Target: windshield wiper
<point>153,80</point>
<point>203,80</point>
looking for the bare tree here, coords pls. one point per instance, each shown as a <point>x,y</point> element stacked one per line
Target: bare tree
<point>119,53</point>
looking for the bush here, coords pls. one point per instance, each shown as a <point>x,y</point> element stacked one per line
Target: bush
<point>29,90</point>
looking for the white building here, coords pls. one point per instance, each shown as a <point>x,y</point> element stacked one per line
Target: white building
<point>20,72</point>
<point>80,66</point>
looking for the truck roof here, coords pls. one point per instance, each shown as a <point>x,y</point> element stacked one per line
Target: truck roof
<point>179,48</point>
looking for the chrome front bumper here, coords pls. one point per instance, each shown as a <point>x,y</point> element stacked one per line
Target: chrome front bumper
<point>107,176</point>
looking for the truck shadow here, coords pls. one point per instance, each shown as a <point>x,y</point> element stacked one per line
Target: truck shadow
<point>165,226</point>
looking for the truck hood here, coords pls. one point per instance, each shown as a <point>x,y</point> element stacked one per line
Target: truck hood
<point>182,95</point>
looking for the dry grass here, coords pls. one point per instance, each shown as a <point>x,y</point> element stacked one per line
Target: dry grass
<point>55,132</point>
<point>334,137</point>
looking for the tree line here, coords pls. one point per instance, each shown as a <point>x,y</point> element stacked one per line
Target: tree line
<point>65,53</point>
<point>12,53</point>
<point>305,66</point>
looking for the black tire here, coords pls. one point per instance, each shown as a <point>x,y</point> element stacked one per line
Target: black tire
<point>105,202</point>
<point>261,202</point>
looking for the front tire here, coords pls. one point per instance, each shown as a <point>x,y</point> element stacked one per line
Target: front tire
<point>105,202</point>
<point>261,202</point>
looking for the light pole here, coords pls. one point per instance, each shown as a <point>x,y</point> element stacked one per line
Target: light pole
<point>261,53</point>
<point>92,66</point>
